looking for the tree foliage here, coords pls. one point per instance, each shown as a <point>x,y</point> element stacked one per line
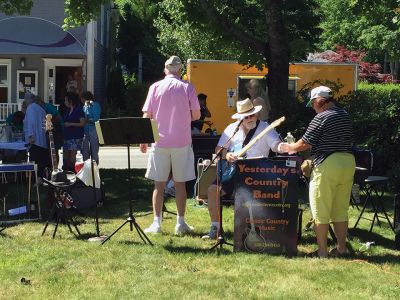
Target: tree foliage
<point>78,12</point>
<point>369,72</point>
<point>137,34</point>
<point>362,24</point>
<point>22,7</point>
<point>254,32</point>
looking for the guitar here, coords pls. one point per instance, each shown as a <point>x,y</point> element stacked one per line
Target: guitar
<point>57,174</point>
<point>253,241</point>
<point>229,169</point>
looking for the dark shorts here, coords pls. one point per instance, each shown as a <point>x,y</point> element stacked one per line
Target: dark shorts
<point>227,187</point>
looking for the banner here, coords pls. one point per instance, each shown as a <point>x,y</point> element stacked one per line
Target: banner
<point>266,205</point>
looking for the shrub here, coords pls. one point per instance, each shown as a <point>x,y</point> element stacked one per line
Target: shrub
<point>375,110</point>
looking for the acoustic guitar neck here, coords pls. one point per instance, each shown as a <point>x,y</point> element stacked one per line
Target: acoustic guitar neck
<point>273,125</point>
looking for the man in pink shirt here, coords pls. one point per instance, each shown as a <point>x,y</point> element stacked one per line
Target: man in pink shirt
<point>173,103</point>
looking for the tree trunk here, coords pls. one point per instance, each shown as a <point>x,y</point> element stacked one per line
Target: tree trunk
<point>277,53</point>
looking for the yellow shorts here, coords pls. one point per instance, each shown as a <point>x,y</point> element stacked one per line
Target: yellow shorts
<point>163,161</point>
<point>330,188</point>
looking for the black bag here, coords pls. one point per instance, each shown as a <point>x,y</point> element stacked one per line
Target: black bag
<point>83,196</point>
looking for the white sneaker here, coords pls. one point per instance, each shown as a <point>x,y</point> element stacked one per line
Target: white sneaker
<point>153,228</point>
<point>181,229</point>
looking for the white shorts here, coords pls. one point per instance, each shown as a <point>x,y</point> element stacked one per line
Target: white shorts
<point>162,159</point>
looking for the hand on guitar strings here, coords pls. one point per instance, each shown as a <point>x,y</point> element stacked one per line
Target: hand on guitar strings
<point>231,157</point>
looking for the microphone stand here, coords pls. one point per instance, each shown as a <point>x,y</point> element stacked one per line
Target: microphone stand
<point>221,239</point>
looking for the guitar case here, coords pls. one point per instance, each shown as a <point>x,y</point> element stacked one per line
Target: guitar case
<point>397,221</point>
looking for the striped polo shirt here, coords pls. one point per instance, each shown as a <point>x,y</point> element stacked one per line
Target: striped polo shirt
<point>330,131</point>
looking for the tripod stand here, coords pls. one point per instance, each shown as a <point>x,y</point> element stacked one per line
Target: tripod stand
<point>62,207</point>
<point>126,131</point>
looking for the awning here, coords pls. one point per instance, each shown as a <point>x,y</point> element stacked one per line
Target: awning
<point>29,35</point>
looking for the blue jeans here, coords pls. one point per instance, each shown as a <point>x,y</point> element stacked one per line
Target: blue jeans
<point>90,144</point>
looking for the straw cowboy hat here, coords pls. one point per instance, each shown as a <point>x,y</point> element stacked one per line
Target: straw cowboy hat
<point>245,108</point>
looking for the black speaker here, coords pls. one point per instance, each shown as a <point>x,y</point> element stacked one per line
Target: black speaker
<point>397,221</point>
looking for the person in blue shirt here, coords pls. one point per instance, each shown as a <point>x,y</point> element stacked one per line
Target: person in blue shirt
<point>16,120</point>
<point>57,123</point>
<point>92,110</point>
<point>74,121</point>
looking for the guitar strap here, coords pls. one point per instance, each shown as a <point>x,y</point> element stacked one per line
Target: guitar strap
<point>250,135</point>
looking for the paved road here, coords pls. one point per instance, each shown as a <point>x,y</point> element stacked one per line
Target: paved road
<point>117,158</point>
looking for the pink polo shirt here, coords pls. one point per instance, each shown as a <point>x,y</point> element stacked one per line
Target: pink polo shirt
<point>170,102</point>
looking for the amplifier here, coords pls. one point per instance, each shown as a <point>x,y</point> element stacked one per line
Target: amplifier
<point>206,179</point>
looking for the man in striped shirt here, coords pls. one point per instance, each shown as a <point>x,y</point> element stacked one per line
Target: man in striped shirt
<point>329,136</point>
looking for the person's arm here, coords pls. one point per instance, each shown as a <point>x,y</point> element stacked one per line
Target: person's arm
<point>195,114</point>
<point>143,147</point>
<point>299,146</point>
<point>207,112</point>
<point>81,123</point>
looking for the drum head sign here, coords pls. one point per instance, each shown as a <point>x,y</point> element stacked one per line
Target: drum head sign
<point>266,206</point>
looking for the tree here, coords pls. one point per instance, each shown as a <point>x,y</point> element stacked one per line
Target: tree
<point>254,32</point>
<point>363,24</point>
<point>22,7</point>
<point>137,34</point>
<point>370,72</point>
<point>79,12</point>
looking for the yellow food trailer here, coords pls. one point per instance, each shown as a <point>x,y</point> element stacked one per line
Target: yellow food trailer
<point>224,82</point>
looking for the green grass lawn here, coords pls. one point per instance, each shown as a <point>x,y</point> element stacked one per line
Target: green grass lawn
<point>183,267</point>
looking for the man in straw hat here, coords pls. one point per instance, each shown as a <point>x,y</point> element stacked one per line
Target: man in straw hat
<point>173,103</point>
<point>248,127</point>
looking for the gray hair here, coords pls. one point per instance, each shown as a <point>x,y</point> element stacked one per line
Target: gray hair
<point>173,69</point>
<point>29,98</point>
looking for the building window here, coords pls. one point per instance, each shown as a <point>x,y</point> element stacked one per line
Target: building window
<point>4,82</point>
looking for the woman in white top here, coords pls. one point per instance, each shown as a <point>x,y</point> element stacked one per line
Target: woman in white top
<point>259,97</point>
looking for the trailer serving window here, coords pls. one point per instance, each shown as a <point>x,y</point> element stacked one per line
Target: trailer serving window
<point>244,79</point>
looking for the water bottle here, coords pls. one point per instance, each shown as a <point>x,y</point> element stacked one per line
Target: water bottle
<point>78,161</point>
<point>289,138</point>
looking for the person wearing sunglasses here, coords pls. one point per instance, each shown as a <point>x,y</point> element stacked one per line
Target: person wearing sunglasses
<point>235,137</point>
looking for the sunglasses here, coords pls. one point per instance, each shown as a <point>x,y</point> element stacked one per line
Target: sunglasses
<point>250,116</point>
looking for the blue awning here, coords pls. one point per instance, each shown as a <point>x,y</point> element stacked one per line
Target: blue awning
<point>29,35</point>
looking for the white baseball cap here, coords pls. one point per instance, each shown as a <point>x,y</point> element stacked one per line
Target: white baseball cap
<point>321,91</point>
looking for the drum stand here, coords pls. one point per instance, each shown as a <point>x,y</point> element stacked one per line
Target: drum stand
<point>62,209</point>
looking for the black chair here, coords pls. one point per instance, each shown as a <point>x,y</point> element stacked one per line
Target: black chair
<point>372,188</point>
<point>364,163</point>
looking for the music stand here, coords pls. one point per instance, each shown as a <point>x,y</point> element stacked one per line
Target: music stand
<point>119,131</point>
